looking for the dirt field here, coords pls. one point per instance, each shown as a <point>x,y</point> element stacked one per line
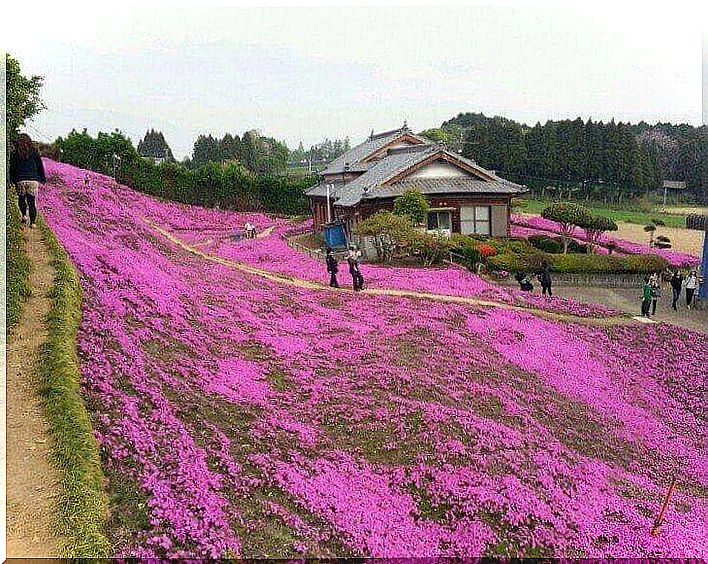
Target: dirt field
<point>682,240</point>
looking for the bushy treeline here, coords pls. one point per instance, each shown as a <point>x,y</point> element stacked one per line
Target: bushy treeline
<point>228,185</point>
<point>257,153</point>
<point>586,153</point>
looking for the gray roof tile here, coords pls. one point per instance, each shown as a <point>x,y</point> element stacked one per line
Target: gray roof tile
<point>363,150</point>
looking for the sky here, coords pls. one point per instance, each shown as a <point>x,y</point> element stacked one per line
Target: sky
<point>303,74</point>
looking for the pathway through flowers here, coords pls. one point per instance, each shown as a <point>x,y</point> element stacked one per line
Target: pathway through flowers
<point>302,283</point>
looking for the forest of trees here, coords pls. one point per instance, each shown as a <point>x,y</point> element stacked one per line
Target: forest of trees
<point>319,155</point>
<point>594,158</point>
<point>153,145</point>
<point>259,154</point>
<point>227,184</point>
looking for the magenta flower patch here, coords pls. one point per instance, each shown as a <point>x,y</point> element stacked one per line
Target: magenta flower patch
<point>241,416</point>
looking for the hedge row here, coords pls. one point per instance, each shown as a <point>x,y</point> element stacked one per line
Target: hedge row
<point>83,505</point>
<point>18,266</point>
<point>578,263</point>
<point>229,185</point>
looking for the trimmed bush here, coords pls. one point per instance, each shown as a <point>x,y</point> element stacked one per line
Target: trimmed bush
<point>579,263</point>
<point>546,244</point>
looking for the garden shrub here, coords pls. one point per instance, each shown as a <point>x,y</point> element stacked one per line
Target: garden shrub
<point>579,263</point>
<point>432,248</point>
<point>546,244</point>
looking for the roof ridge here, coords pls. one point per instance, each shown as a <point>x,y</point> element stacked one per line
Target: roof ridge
<point>403,129</point>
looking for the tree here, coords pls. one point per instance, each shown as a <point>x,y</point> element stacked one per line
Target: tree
<point>23,99</point>
<point>594,226</point>
<point>154,146</point>
<point>568,216</point>
<point>413,205</point>
<point>391,232</point>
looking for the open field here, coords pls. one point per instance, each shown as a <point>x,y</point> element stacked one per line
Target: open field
<point>244,409</point>
<point>682,240</point>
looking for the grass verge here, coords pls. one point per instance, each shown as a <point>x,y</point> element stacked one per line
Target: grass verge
<point>83,504</point>
<point>18,266</point>
<point>626,215</point>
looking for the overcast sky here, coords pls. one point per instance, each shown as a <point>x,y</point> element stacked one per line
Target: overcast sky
<point>309,73</point>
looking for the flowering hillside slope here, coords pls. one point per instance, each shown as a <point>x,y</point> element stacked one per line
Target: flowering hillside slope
<point>240,416</point>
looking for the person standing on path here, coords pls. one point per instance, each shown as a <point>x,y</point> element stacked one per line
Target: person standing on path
<point>646,297</point>
<point>655,282</point>
<point>691,283</point>
<point>26,172</point>
<point>545,279</point>
<point>676,282</point>
<point>332,268</point>
<point>354,270</point>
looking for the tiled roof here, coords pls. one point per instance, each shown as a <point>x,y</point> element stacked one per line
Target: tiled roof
<point>369,184</point>
<point>448,186</point>
<point>355,155</point>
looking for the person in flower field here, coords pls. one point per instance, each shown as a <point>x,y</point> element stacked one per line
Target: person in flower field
<point>27,172</point>
<point>250,230</point>
<point>332,268</point>
<point>354,269</point>
<point>646,297</point>
<point>676,282</point>
<point>545,279</point>
<point>691,283</point>
<point>655,282</point>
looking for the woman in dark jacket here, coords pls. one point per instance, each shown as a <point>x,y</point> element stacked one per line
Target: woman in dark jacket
<point>26,172</point>
<point>332,268</point>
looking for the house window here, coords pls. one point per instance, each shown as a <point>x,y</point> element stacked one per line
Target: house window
<point>439,220</point>
<point>476,220</point>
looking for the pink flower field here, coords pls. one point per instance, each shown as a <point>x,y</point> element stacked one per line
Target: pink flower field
<point>242,416</point>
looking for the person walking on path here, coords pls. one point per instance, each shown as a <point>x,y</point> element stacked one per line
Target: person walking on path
<point>646,297</point>
<point>545,279</point>
<point>691,283</point>
<point>27,172</point>
<point>354,270</point>
<point>332,268</point>
<point>676,282</point>
<point>655,282</point>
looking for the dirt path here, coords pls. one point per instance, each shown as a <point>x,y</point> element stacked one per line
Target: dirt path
<point>308,284</point>
<point>32,482</point>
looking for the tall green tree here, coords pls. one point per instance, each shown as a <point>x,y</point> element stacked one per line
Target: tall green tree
<point>23,99</point>
<point>153,145</point>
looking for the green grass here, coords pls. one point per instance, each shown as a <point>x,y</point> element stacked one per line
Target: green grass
<point>83,502</point>
<point>626,215</point>
<point>18,266</point>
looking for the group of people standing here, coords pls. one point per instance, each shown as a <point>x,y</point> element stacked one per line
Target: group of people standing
<point>543,277</point>
<point>353,256</point>
<point>651,290</point>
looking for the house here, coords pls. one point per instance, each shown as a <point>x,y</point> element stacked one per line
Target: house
<point>463,196</point>
<point>674,185</point>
